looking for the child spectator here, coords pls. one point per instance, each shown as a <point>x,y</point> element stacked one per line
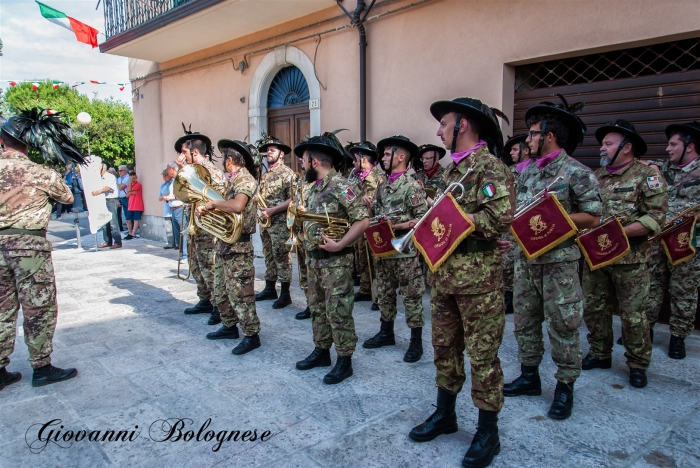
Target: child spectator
<point>135,204</point>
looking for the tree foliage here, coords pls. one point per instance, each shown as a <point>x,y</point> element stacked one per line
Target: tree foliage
<point>111,133</point>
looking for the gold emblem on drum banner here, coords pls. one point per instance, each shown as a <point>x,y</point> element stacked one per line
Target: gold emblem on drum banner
<point>378,239</point>
<point>537,225</point>
<point>683,239</point>
<point>604,241</point>
<point>438,228</point>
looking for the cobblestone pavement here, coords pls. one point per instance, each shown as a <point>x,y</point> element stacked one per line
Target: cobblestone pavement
<point>141,361</point>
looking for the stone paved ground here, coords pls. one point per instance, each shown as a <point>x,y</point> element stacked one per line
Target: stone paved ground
<point>141,360</point>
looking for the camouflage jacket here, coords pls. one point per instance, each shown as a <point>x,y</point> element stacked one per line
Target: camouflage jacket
<point>218,178</point>
<point>489,195</point>
<point>436,183</point>
<point>339,199</point>
<point>404,194</point>
<point>578,192</point>
<point>241,182</point>
<point>683,185</point>
<point>26,192</point>
<point>375,177</point>
<point>275,187</point>
<point>640,186</point>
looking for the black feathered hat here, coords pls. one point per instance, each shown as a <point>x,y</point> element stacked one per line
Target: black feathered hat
<point>327,143</point>
<point>366,147</point>
<point>266,141</point>
<point>627,130</point>
<point>190,135</point>
<point>46,133</point>
<point>417,162</point>
<point>565,113</point>
<point>400,141</point>
<point>243,148</point>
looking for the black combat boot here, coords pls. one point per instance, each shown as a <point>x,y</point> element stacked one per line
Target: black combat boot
<point>248,344</point>
<point>268,293</point>
<point>306,314</point>
<point>362,297</point>
<point>638,377</point>
<point>442,421</point>
<point>204,306</point>
<point>676,347</point>
<point>341,371</point>
<point>385,337</point>
<point>224,333</point>
<point>374,306</point>
<point>486,443</point>
<point>318,358</point>
<point>8,378</point>
<point>285,298</point>
<point>591,362</point>
<point>651,333</point>
<point>49,374</point>
<point>215,317</point>
<point>527,384</point>
<point>563,401</point>
<point>415,347</point>
<point>509,302</point>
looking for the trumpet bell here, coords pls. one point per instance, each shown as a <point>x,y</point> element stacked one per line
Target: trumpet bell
<point>400,244</point>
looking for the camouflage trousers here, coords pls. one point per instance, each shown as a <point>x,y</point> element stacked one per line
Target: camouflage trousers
<point>630,285</point>
<point>475,322</point>
<point>239,280</point>
<point>301,261</point>
<point>508,262</point>
<point>220,293</point>
<point>201,258</point>
<point>406,274</point>
<point>681,281</point>
<point>331,298</point>
<point>27,279</point>
<point>278,261</point>
<point>363,266</point>
<point>549,293</point>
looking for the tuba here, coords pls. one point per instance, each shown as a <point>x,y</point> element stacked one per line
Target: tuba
<point>193,185</point>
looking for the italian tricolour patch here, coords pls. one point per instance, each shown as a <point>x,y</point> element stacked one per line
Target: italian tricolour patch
<point>349,194</point>
<point>654,182</point>
<point>489,190</point>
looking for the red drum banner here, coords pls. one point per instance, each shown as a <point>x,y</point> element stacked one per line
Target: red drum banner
<point>604,245</point>
<point>379,239</point>
<point>442,231</point>
<point>542,227</point>
<point>677,243</point>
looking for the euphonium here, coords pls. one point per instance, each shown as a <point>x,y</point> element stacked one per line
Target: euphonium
<point>316,225</point>
<point>193,185</point>
<point>262,221</point>
<point>297,186</point>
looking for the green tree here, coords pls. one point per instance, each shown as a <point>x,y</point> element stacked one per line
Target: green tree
<point>111,133</point>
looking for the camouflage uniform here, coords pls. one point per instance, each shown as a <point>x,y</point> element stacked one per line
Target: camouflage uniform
<point>330,290</point>
<point>401,270</point>
<point>300,251</point>
<point>201,247</point>
<point>635,185</point>
<point>547,288</point>
<point>467,306</point>
<point>237,260</point>
<point>368,188</point>
<point>508,258</point>
<point>437,182</point>
<point>275,189</point>
<point>26,270</point>
<point>682,280</point>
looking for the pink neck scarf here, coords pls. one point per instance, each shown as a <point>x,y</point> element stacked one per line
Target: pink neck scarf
<point>394,176</point>
<point>544,162</point>
<point>363,175</point>
<point>520,167</point>
<point>459,157</point>
<point>617,168</point>
<point>685,164</point>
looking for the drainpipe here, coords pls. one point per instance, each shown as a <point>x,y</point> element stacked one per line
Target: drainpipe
<point>358,20</point>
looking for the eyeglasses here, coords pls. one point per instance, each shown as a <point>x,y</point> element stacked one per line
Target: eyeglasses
<point>532,133</point>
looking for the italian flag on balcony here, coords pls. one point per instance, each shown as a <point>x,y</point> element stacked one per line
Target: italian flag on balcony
<point>83,33</point>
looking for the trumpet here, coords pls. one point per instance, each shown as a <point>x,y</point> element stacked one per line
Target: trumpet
<point>262,221</point>
<point>401,243</point>
<point>535,200</point>
<point>683,218</point>
<point>391,216</point>
<point>624,216</point>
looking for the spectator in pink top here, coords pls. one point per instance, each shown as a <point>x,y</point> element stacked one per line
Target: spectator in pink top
<point>135,204</point>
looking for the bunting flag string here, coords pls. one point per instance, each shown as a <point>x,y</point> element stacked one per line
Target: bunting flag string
<point>56,84</point>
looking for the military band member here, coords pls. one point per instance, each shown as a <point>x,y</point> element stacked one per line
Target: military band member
<point>625,184</point>
<point>301,251</point>
<point>26,270</point>
<point>329,262</point>
<point>681,172</point>
<point>275,188</point>
<point>516,155</point>
<point>429,172</point>
<point>467,306</point>
<point>404,196</point>
<point>195,148</point>
<point>547,288</point>
<point>368,175</point>
<point>237,258</point>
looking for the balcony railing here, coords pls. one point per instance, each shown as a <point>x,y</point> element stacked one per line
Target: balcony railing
<point>123,15</point>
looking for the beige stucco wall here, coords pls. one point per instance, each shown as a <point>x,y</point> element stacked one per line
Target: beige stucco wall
<point>440,50</point>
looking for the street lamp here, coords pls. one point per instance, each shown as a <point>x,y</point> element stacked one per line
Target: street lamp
<point>84,119</point>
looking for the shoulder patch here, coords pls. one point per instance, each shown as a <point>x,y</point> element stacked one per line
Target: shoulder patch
<point>489,190</point>
<point>349,194</point>
<point>653,182</point>
<point>415,199</point>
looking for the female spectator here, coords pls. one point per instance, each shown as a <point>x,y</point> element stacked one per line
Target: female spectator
<point>167,212</point>
<point>135,204</point>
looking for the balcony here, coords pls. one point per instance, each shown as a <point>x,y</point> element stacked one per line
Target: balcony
<point>162,30</point>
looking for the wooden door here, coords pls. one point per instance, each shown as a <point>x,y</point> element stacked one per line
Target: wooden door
<point>290,124</point>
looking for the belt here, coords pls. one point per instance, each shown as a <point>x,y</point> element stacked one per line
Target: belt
<point>475,245</point>
<point>567,243</point>
<point>244,238</point>
<point>637,240</point>
<point>29,232</point>
<point>322,254</point>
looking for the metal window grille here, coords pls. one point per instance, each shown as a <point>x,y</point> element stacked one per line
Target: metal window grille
<point>656,59</point>
<point>122,15</point>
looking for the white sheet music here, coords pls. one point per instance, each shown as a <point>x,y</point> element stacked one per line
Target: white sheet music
<point>98,214</point>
